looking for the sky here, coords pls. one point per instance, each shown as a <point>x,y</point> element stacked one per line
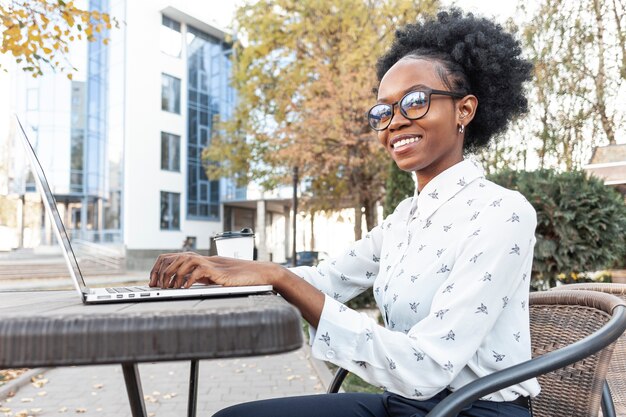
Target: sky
<point>223,10</point>
<point>498,9</point>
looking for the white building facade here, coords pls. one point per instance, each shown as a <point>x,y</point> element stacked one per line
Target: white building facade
<point>122,143</point>
<point>177,82</point>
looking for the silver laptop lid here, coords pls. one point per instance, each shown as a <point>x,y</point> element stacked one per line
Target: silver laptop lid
<point>51,207</point>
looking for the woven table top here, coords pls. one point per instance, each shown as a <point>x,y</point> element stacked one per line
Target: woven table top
<point>54,328</point>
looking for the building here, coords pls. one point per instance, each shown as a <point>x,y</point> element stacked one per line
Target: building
<point>174,89</point>
<point>122,143</point>
<point>609,163</point>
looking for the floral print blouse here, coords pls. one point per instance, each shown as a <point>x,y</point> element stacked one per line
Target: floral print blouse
<point>450,270</point>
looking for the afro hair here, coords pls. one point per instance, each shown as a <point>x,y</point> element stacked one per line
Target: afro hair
<point>477,57</point>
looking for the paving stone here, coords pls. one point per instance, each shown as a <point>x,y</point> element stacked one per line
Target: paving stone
<point>100,391</point>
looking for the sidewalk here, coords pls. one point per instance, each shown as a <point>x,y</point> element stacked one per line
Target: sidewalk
<point>65,282</point>
<point>100,390</point>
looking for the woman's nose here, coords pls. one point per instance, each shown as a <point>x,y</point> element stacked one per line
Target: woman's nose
<point>398,120</point>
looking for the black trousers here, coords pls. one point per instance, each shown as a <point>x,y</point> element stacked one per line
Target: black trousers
<point>363,405</point>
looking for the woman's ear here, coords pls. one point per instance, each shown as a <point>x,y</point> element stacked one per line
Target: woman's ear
<point>466,109</point>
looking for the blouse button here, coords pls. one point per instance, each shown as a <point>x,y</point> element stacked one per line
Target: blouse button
<point>330,354</point>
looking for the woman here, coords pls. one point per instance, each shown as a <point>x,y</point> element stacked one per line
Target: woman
<point>449,268</point>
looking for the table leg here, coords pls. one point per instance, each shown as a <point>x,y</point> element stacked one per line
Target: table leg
<point>193,388</point>
<point>133,388</point>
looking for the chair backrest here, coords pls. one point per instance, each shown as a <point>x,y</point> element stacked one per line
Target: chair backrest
<point>558,319</point>
<point>616,375</point>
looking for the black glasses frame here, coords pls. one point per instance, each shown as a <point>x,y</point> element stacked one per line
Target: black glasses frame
<point>429,92</point>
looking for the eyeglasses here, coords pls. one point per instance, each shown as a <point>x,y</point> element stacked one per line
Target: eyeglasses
<point>414,105</point>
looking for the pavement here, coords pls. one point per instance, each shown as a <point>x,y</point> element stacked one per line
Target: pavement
<point>100,390</point>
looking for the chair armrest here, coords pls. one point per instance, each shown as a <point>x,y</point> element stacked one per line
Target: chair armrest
<point>335,384</point>
<point>608,407</point>
<point>607,334</point>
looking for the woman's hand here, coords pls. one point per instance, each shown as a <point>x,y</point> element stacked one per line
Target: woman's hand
<point>182,270</point>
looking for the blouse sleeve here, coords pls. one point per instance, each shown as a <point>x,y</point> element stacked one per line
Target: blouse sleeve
<point>347,276</point>
<point>422,362</point>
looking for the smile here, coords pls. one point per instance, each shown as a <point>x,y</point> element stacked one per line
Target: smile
<point>399,143</point>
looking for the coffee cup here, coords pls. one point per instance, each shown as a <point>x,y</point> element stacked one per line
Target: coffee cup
<point>239,245</point>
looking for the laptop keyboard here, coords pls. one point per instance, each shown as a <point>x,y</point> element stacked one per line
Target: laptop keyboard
<point>117,290</point>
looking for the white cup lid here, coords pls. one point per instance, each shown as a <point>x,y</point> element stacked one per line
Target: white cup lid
<point>245,232</point>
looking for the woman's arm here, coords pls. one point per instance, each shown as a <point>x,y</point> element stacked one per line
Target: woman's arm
<point>182,270</point>
<point>342,278</point>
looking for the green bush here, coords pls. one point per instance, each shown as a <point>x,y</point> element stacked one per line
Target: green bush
<point>363,300</point>
<point>398,186</point>
<point>581,223</point>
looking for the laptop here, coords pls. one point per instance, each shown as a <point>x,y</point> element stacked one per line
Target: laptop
<point>115,294</point>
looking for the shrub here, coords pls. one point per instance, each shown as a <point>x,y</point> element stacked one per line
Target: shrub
<point>364,300</point>
<point>581,223</point>
<point>398,186</point>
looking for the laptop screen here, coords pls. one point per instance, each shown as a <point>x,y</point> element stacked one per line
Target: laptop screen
<point>51,208</point>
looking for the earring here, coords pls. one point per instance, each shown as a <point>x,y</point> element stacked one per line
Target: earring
<point>462,129</point>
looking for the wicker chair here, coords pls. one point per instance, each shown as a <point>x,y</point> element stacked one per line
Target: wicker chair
<point>616,375</point>
<point>571,334</point>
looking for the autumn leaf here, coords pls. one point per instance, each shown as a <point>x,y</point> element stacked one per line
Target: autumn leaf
<point>36,31</point>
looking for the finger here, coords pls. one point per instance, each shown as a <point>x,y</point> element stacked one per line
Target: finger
<point>172,282</point>
<point>201,272</point>
<point>158,265</point>
<point>180,269</point>
<point>178,280</point>
<point>164,279</point>
<point>162,260</point>
<point>175,272</point>
<point>181,280</point>
<point>167,277</point>
<point>154,272</point>
<point>159,273</point>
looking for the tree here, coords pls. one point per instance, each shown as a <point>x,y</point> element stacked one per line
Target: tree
<point>579,52</point>
<point>581,223</point>
<point>38,33</point>
<point>304,83</point>
<point>399,185</point>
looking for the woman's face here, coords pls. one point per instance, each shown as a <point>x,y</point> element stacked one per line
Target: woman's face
<point>431,144</point>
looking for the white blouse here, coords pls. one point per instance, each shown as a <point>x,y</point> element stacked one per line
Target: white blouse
<point>450,269</point>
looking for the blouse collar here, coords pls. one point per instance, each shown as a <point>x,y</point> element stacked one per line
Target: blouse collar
<point>445,186</point>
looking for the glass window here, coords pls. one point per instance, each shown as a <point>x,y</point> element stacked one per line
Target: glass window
<point>170,211</point>
<point>171,39</point>
<point>214,210</point>
<point>203,50</point>
<point>170,94</point>
<point>170,152</point>
<point>215,191</point>
<point>203,138</point>
<point>32,99</point>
